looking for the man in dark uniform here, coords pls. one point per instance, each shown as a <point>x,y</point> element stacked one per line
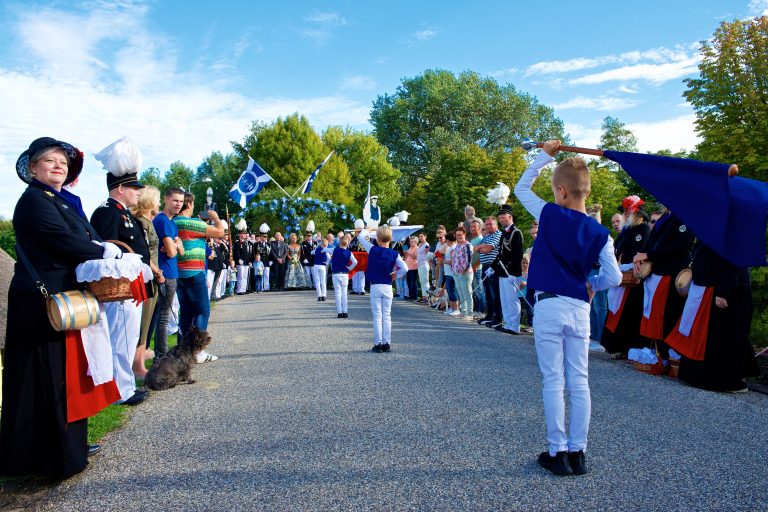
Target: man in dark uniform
<point>308,247</point>
<point>263,250</point>
<point>508,266</point>
<point>222,253</point>
<point>251,258</point>
<point>114,221</point>
<point>241,254</point>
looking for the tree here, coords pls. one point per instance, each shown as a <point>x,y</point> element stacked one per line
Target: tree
<point>730,96</point>
<point>366,160</point>
<point>459,178</point>
<point>290,150</point>
<point>438,109</point>
<point>617,137</point>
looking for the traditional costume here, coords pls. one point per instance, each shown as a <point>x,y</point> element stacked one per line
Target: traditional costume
<point>44,371</point>
<point>264,248</point>
<point>714,341</point>
<point>625,304</point>
<point>669,250</point>
<point>342,263</point>
<point>242,255</point>
<point>114,221</point>
<point>358,279</point>
<point>508,266</point>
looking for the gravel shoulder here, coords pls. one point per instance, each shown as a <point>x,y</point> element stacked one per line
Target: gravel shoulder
<point>298,414</point>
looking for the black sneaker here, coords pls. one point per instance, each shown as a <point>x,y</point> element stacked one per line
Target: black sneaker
<point>340,315</point>
<point>483,321</point>
<point>319,299</point>
<point>493,325</point>
<point>376,348</point>
<point>346,315</point>
<point>558,464</point>
<point>578,462</point>
<point>385,347</point>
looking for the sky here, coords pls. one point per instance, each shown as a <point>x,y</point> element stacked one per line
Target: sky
<point>184,79</point>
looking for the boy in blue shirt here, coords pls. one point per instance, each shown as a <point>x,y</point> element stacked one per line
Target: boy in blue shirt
<point>569,242</point>
<point>382,263</point>
<point>342,262</point>
<point>258,270</point>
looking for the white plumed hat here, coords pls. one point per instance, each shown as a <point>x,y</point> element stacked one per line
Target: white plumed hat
<point>359,224</point>
<point>264,228</point>
<point>403,216</point>
<point>241,225</point>
<point>310,227</point>
<point>498,195</point>
<point>121,157</point>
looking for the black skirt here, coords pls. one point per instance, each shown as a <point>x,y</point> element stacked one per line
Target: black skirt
<point>35,438</point>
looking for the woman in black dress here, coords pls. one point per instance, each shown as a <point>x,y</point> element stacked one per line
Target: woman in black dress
<point>53,233</point>
<point>728,354</point>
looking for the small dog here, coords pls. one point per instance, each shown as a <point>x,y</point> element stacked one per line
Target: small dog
<point>176,366</point>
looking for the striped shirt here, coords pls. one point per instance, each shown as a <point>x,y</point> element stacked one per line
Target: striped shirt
<point>192,234</point>
<point>492,239</point>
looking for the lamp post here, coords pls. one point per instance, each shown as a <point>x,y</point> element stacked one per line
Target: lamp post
<point>204,180</point>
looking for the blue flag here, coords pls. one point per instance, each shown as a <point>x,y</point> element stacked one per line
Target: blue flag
<point>728,214</point>
<point>311,179</point>
<point>250,182</point>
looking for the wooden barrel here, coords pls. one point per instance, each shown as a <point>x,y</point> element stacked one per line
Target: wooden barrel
<point>683,281</point>
<point>73,310</point>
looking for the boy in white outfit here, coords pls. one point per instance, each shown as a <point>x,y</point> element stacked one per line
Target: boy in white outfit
<point>382,263</point>
<point>569,242</point>
<point>342,262</point>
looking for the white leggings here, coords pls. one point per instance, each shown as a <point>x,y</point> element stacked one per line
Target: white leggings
<point>321,277</point>
<point>340,283</point>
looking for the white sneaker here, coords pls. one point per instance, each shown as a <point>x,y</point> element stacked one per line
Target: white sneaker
<point>594,346</point>
<point>205,357</point>
<point>455,313</point>
<point>448,311</point>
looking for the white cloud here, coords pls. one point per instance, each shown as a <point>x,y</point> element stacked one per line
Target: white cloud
<point>656,74</point>
<point>358,82</point>
<point>674,134</point>
<point>656,65</point>
<point>503,72</point>
<point>425,35</point>
<point>758,7</point>
<point>327,18</point>
<point>125,81</point>
<point>602,104</point>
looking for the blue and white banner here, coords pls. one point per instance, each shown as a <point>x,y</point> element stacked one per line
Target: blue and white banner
<point>249,184</point>
<point>311,179</point>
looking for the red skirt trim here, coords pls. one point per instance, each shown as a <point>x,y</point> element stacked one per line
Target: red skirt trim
<point>612,320</point>
<point>694,345</point>
<point>653,327</point>
<point>83,398</point>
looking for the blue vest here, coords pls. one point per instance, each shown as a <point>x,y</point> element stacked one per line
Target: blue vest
<point>381,261</point>
<point>321,257</point>
<point>340,260</point>
<point>567,247</point>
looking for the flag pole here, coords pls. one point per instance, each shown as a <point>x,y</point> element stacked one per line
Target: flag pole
<point>733,169</point>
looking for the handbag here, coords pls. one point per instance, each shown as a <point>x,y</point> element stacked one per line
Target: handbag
<point>67,311</point>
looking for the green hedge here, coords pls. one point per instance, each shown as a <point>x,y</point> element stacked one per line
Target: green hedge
<point>7,237</point>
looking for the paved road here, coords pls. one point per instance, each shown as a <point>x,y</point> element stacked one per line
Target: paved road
<point>298,414</point>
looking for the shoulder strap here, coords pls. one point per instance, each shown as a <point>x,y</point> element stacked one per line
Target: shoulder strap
<point>32,272</point>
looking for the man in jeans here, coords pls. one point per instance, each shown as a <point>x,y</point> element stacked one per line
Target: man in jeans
<point>169,247</point>
<point>194,303</point>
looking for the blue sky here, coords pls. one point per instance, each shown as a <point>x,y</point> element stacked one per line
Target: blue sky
<point>184,78</point>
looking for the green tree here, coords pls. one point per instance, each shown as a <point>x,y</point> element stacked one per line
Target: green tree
<point>439,109</point>
<point>730,96</point>
<point>290,150</point>
<point>461,177</point>
<point>179,175</point>
<point>7,237</point>
<point>151,176</point>
<point>367,160</point>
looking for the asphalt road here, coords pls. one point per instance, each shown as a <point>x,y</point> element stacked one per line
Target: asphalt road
<point>299,414</point>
